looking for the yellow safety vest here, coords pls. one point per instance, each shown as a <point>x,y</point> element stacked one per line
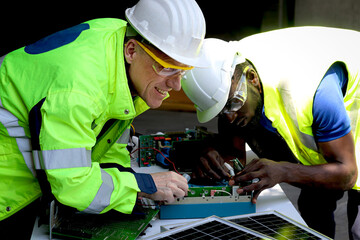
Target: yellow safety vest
<point>291,64</point>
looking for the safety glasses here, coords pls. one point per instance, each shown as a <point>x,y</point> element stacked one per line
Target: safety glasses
<point>163,68</point>
<point>238,98</point>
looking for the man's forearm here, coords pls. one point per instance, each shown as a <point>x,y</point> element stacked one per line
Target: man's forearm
<point>330,175</point>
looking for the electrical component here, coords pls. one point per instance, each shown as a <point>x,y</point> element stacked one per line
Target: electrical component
<point>187,177</point>
<point>238,167</point>
<point>203,201</point>
<point>159,148</point>
<point>69,224</point>
<point>182,149</point>
<point>232,173</point>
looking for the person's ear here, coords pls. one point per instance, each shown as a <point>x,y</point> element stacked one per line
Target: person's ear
<point>253,78</point>
<point>130,51</point>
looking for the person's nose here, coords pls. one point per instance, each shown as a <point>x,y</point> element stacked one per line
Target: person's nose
<point>174,82</point>
<point>231,116</point>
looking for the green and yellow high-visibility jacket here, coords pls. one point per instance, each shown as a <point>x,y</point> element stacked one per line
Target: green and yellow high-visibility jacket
<point>291,64</point>
<point>71,83</point>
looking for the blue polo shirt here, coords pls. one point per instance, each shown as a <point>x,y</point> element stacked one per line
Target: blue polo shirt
<point>331,120</point>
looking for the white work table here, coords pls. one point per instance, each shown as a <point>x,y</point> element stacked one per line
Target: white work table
<point>270,199</point>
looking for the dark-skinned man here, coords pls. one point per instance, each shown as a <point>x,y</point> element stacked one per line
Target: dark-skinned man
<point>292,95</point>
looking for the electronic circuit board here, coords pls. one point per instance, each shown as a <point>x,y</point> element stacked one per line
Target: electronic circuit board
<point>113,225</point>
<point>204,201</point>
<point>180,150</point>
<point>156,149</point>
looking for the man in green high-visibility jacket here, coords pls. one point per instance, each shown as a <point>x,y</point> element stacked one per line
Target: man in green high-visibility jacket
<point>61,96</point>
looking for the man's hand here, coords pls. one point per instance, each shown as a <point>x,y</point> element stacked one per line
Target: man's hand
<point>211,166</point>
<point>170,186</point>
<point>268,172</point>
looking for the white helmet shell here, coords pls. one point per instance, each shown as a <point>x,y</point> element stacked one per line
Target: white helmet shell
<point>176,27</point>
<point>208,88</point>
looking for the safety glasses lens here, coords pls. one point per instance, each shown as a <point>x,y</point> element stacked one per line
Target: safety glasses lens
<point>237,101</point>
<point>166,72</point>
<point>163,68</point>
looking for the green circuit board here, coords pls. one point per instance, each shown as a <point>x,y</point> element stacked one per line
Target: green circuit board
<point>157,149</point>
<point>207,191</point>
<point>108,226</point>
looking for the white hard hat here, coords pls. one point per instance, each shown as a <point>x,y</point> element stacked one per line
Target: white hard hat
<point>176,27</point>
<point>208,88</point>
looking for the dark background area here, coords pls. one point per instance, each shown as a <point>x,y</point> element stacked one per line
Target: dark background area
<point>24,23</point>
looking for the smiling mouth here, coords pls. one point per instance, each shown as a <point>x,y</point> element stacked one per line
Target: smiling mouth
<point>163,92</point>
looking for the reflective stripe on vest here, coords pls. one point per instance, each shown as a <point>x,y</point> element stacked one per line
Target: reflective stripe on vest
<point>306,139</point>
<point>11,123</point>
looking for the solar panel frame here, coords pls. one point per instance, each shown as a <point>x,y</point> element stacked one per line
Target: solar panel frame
<point>209,228</point>
<point>291,226</point>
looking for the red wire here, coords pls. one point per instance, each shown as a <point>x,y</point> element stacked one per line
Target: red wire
<point>160,153</point>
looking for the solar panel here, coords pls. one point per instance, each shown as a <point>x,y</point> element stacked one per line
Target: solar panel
<point>210,228</point>
<point>276,225</point>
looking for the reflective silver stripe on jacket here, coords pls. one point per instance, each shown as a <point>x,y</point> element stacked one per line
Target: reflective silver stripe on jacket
<point>74,158</point>
<point>62,158</point>
<point>102,198</point>
<point>11,123</point>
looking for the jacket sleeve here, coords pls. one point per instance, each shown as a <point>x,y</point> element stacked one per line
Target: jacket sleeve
<point>66,140</point>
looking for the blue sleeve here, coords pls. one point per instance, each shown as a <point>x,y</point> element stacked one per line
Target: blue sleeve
<point>146,183</point>
<point>330,117</point>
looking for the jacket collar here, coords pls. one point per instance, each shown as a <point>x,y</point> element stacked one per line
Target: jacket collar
<point>121,103</point>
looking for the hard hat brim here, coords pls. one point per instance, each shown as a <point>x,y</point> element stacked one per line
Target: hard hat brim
<point>209,114</point>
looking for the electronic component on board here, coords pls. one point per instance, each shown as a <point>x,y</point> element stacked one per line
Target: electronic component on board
<point>178,151</point>
<point>183,148</point>
<point>203,201</point>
